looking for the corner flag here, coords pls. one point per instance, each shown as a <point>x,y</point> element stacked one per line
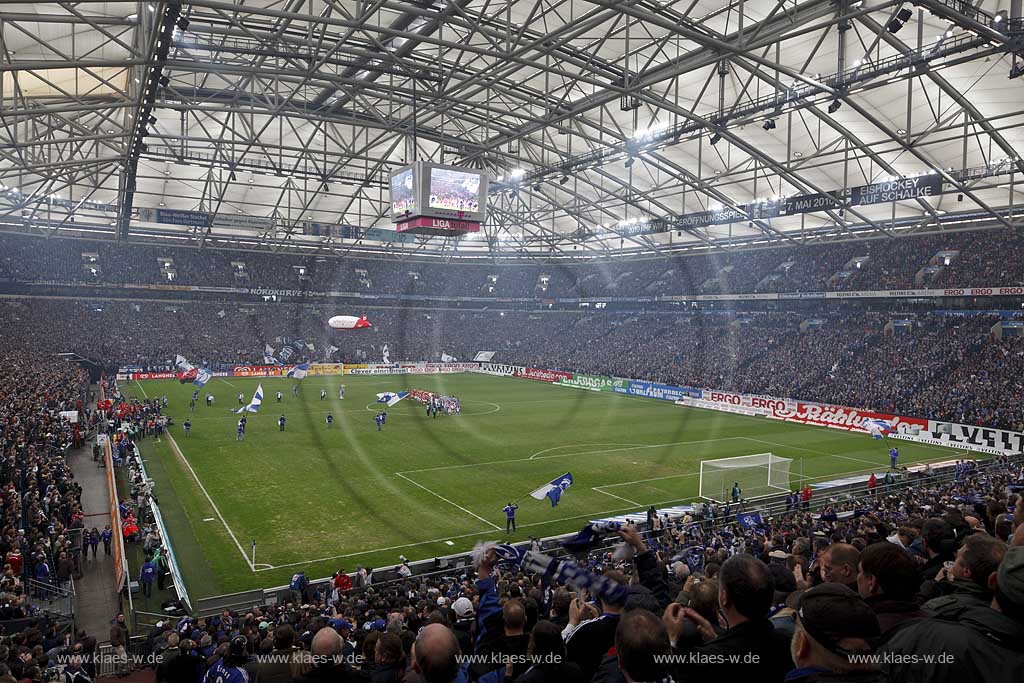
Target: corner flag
<point>554,489</point>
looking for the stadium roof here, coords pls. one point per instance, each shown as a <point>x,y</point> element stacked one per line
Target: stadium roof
<point>600,122</point>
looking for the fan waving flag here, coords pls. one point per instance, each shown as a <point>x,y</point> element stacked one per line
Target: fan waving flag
<point>750,520</point>
<point>877,428</point>
<point>299,371</point>
<point>254,404</point>
<point>554,489</point>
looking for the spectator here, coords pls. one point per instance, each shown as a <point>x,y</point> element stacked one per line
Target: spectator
<point>834,623</point>
<point>887,580</point>
<point>984,644</point>
<point>745,596</point>
<point>839,565</point>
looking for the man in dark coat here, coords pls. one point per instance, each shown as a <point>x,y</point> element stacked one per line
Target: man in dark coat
<point>984,644</point>
<point>750,644</point>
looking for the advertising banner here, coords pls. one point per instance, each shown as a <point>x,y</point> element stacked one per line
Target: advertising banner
<point>664,392</point>
<point>982,439</point>
<point>839,417</point>
<point>259,370</point>
<point>593,382</point>
<point>154,375</point>
<point>764,403</point>
<point>326,369</point>
<point>499,370</point>
<point>543,375</point>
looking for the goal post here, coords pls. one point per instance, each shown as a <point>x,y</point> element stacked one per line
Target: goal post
<point>759,475</point>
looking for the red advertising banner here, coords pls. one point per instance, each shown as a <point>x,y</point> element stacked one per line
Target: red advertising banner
<point>154,375</point>
<point>259,370</point>
<point>543,375</point>
<point>849,419</point>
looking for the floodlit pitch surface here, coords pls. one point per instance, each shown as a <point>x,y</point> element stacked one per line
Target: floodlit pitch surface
<point>317,499</point>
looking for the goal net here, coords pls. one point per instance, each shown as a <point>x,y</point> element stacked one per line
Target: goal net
<point>758,475</point>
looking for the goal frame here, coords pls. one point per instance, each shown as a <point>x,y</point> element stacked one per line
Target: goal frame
<point>725,498</point>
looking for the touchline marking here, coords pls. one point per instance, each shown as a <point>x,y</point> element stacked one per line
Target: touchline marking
<point>202,488</point>
<point>641,481</point>
<point>227,382</point>
<point>598,489</point>
<point>141,389</point>
<point>438,495</point>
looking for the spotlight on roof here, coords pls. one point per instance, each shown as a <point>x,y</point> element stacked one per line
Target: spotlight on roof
<point>629,162</point>
<point>536,188</point>
<point>899,21</point>
<point>183,23</point>
<point>834,107</point>
<point>769,124</point>
<point>164,81</point>
<point>715,139</point>
<point>563,180</point>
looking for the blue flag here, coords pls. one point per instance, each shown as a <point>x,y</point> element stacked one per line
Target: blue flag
<point>299,371</point>
<point>750,520</point>
<point>254,404</point>
<point>554,489</point>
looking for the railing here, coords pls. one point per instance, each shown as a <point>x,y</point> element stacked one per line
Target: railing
<point>172,562</point>
<point>53,600</point>
<point>109,664</point>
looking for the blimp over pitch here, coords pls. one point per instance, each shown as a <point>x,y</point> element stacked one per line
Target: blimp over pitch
<point>349,322</point>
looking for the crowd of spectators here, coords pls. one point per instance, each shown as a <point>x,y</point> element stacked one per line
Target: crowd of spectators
<point>976,259</point>
<point>874,586</point>
<point>41,517</point>
<point>942,367</point>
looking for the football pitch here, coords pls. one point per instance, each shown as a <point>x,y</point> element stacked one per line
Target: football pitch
<point>316,498</point>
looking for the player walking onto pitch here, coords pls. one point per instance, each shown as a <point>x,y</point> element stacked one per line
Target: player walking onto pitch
<point>341,392</point>
<point>241,399</point>
<point>510,517</point>
<point>894,456</point>
<point>323,394</point>
<point>330,420</point>
<point>379,420</point>
<point>280,423</point>
<point>187,424</point>
<point>240,433</point>
<point>209,400</point>
<point>295,389</point>
<point>279,396</point>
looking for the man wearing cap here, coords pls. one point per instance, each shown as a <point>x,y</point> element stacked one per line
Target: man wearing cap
<point>833,626</point>
<point>463,626</point>
<point>986,643</point>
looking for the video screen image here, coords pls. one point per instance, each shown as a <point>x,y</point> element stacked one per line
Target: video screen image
<point>454,190</point>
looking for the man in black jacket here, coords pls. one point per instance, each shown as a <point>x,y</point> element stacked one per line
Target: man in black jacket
<point>966,582</point>
<point>750,643</point>
<point>587,640</point>
<point>984,644</point>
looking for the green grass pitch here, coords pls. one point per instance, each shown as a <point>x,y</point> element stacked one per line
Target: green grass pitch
<point>317,499</point>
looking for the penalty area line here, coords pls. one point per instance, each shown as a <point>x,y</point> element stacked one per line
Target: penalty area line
<point>181,456</point>
<point>598,489</point>
<point>438,495</point>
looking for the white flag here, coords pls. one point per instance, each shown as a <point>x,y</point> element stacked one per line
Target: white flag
<point>445,358</point>
<point>385,354</point>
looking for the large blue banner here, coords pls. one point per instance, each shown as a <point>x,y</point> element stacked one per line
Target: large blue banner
<point>665,392</point>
